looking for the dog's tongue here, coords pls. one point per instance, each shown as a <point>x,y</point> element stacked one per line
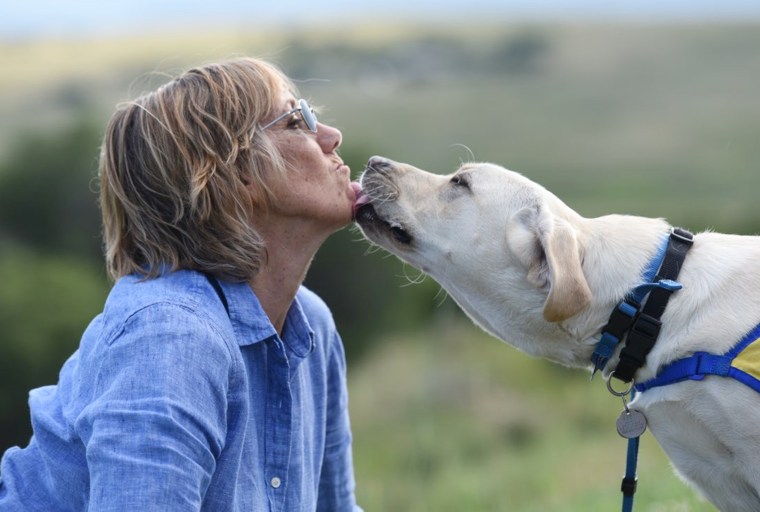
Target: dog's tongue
<point>361,198</point>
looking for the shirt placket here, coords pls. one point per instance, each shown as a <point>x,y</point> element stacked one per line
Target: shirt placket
<point>278,425</point>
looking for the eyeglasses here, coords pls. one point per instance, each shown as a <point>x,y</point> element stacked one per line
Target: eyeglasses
<point>307,113</point>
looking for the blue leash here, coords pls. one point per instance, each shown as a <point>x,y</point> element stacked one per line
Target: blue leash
<point>628,487</point>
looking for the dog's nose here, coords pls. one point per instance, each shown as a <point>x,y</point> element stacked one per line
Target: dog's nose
<point>378,162</point>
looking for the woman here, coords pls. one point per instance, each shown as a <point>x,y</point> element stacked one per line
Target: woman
<point>212,380</point>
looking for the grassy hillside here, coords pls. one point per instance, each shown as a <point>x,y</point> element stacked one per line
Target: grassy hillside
<point>448,419</point>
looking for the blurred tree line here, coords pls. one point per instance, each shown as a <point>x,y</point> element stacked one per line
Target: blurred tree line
<point>53,280</point>
<point>425,58</point>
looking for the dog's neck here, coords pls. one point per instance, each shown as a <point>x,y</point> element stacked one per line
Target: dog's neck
<point>614,250</point>
<point>615,258</point>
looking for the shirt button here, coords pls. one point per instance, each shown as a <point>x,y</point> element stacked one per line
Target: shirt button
<point>276,482</point>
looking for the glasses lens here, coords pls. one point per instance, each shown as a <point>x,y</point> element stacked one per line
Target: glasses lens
<point>309,117</point>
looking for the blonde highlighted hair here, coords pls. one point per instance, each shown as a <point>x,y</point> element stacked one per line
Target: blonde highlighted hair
<point>182,172</point>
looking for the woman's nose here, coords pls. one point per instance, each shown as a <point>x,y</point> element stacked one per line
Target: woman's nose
<point>329,138</point>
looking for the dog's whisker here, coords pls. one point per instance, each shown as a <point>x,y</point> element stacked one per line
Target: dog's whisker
<point>442,294</point>
<point>467,148</point>
<point>372,249</point>
<point>412,281</point>
<point>382,198</point>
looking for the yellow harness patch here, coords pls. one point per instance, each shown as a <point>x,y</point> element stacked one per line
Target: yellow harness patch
<point>748,359</point>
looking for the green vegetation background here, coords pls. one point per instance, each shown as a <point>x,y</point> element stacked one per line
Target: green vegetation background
<point>654,120</point>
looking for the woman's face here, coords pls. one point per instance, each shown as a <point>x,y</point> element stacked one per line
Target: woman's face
<point>317,186</point>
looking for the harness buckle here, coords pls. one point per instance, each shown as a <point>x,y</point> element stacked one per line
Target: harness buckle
<point>640,341</point>
<point>646,326</point>
<point>682,236</point>
<point>621,318</point>
<point>620,321</point>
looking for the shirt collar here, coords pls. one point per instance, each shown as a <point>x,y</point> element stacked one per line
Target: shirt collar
<point>252,325</point>
<point>297,332</point>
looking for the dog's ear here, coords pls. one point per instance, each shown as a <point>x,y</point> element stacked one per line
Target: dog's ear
<point>548,248</point>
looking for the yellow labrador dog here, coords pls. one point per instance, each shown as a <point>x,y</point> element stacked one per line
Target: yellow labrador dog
<point>531,271</point>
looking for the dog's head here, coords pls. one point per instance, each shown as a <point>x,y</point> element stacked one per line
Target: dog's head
<point>487,235</point>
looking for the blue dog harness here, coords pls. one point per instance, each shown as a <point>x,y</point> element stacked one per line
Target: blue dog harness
<point>741,363</point>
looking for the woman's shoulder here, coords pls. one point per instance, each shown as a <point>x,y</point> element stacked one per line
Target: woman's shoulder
<point>172,322</point>
<point>182,287</point>
<point>172,299</point>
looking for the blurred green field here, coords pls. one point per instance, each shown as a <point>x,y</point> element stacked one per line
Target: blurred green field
<point>656,120</point>
<point>447,419</point>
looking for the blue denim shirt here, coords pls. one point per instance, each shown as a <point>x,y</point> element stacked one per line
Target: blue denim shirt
<point>172,404</point>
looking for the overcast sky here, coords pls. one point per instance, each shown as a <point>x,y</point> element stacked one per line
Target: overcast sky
<point>46,18</point>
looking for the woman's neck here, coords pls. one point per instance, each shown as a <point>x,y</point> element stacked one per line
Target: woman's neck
<point>288,255</point>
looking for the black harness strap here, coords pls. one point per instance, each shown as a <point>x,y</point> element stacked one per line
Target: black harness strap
<point>645,329</point>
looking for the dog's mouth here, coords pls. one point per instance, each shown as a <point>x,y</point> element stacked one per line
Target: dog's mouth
<point>373,224</point>
<point>376,208</point>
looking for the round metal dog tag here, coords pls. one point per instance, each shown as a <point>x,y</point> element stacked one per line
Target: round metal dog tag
<point>631,424</point>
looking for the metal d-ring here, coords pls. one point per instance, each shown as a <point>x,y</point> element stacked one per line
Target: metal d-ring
<point>618,393</point>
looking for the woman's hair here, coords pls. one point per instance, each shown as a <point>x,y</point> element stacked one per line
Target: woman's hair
<point>182,172</point>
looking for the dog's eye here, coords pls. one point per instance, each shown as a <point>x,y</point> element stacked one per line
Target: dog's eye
<point>460,180</point>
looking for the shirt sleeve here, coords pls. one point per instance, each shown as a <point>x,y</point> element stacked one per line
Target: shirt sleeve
<point>157,419</point>
<point>337,485</point>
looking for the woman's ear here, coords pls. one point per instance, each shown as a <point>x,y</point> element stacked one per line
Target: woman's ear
<point>548,248</point>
